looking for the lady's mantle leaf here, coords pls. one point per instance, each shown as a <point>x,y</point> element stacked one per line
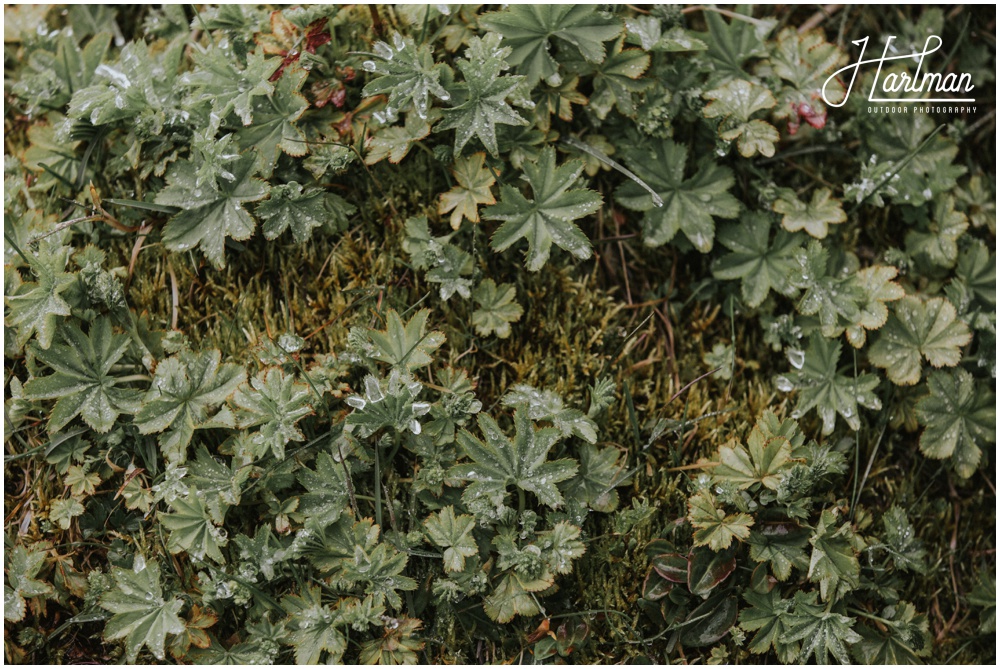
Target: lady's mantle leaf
<point>473,189</point>
<point>497,308</point>
<point>760,264</point>
<point>210,212</point>
<point>714,528</point>
<point>814,216</point>
<point>81,383</point>
<point>141,615</point>
<point>549,216</point>
<point>22,568</point>
<point>960,415</point>
<point>501,462</point>
<point>276,402</point>
<point>734,103</point>
<point>185,389</point>
<point>689,205</point>
<point>405,346</point>
<point>454,534</point>
<point>919,330</point>
<point>191,528</point>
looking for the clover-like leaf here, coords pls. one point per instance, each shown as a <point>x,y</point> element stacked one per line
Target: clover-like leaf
<point>185,390</point>
<point>210,212</point>
<point>877,288</point>
<point>472,190</point>
<point>714,527</point>
<point>960,417</point>
<point>276,402</point>
<point>530,29</point>
<point>81,381</point>
<point>548,218</point>
<point>454,534</point>
<point>501,462</point>
<point>497,308</point>
<point>761,264</point>
<point>919,330</point>
<point>689,205</point>
<point>142,616</point>
<point>815,216</point>
<point>191,528</point>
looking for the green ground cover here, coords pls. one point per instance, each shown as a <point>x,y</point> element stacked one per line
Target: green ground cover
<point>439,334</point>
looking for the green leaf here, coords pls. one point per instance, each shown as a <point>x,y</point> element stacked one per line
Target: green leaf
<point>902,542</point>
<point>185,389</point>
<point>141,614</point>
<point>713,527</point>
<point>501,462</point>
<point>905,639</point>
<point>408,74</point>
<point>769,615</point>
<point>615,79</point>
<point>815,216</point>
<point>387,403</point>
<point>919,330</point>
<point>407,347</point>
<point>497,308</point>
<point>834,562</point>
<point>804,62</point>
<point>63,511</point>
<point>731,44</point>
<point>210,212</point>
<point>191,528</point>
<point>760,264</point>
<point>454,534</point>
<point>529,30</point>
<point>984,595</point>
<point>398,645</point>
<point>273,130</point>
<point>22,566</point>
<point>939,241</point>
<point>546,405</point>
<point>782,545</point>
<point>485,93</point>
<point>312,627</point>
<point>36,307</point>
<point>822,632</point>
<point>960,417</point>
<point>80,482</point>
<point>689,205</point>
<point>548,218</point>
<point>301,209</point>
<point>81,381</point>
<point>276,402</point>
<point>328,491</point>
<point>762,462</point>
<point>823,388</point>
<point>219,485</point>
<point>473,189</point>
<point>560,546</point>
<point>218,81</point>
<point>600,473</point>
<point>512,597</point>
<point>877,288</point>
<point>395,142</point>
<point>734,103</point>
